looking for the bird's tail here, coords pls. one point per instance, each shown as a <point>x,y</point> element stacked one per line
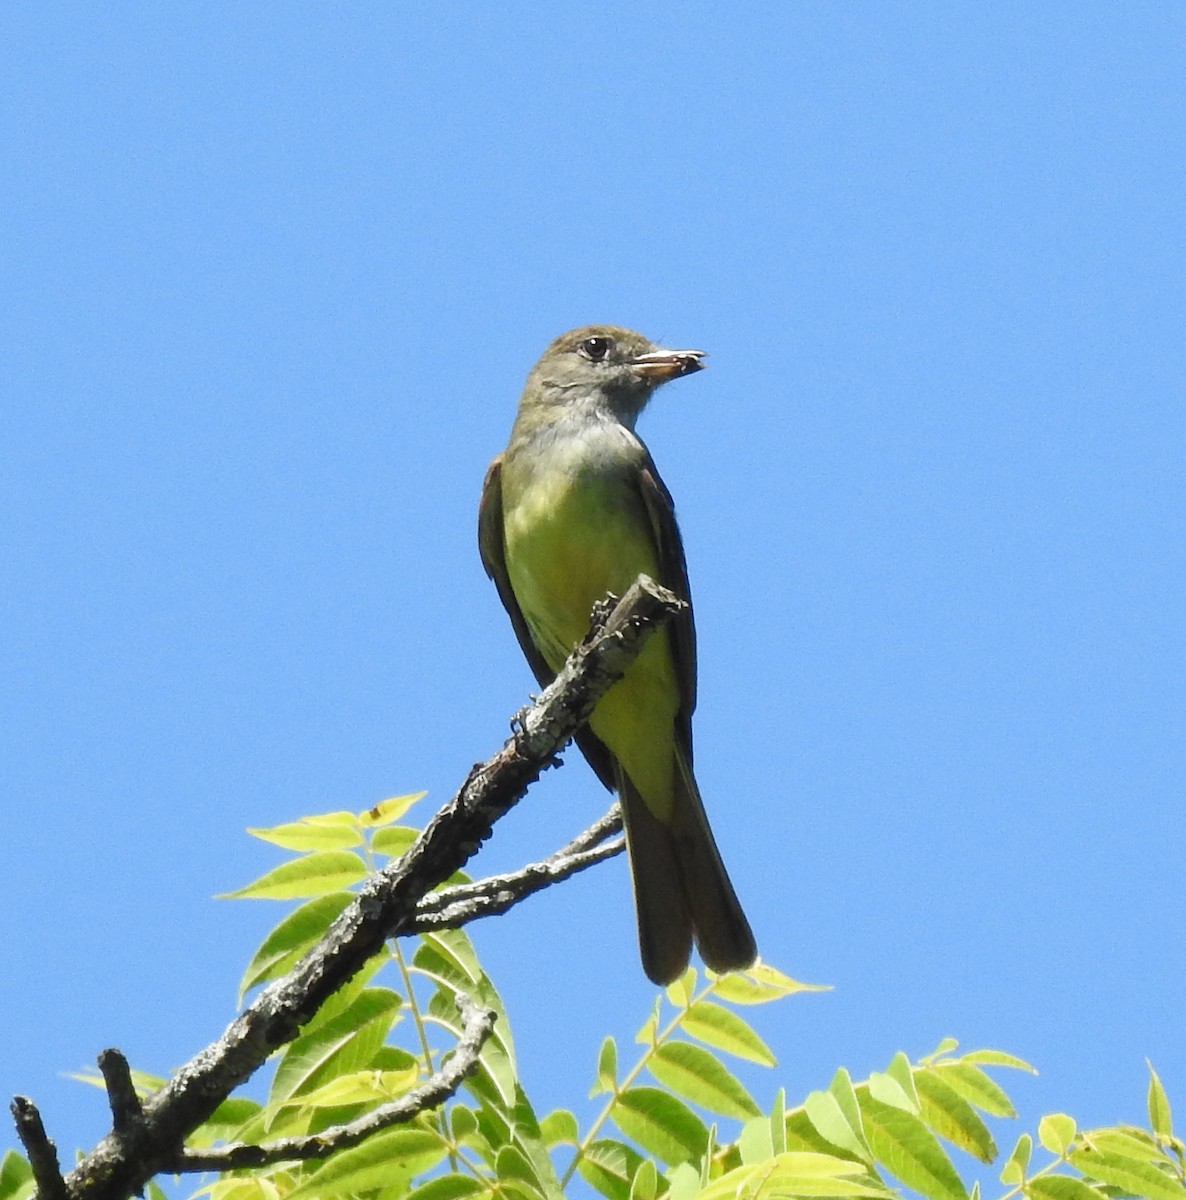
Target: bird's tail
<point>682,891</point>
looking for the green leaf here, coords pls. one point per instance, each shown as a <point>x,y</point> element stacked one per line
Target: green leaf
<point>395,841</point>
<point>448,954</point>
<point>609,1166</point>
<point>759,984</point>
<point>607,1068</point>
<point>826,1113</point>
<point>512,1165</point>
<point>16,1177</point>
<point>952,1117</point>
<point>795,1173</point>
<point>997,1058</point>
<point>1013,1171</point>
<point>261,1187</point>
<point>755,1143</point>
<point>1060,1187</point>
<point>646,1182</point>
<point>329,831</point>
<point>1056,1131</point>
<point>465,1130</point>
<point>1126,1141</point>
<point>381,1160</point>
<point>904,1145</point>
<point>843,1092</point>
<point>449,1187</point>
<point>976,1087</point>
<point>495,1123</point>
<point>1127,1174</point>
<point>225,1122</point>
<point>947,1045</point>
<point>344,1043</point>
<point>684,1182</point>
<point>697,1075</point>
<point>649,1031</point>
<point>447,958</point>
<point>710,1149</point>
<point>801,1134</point>
<point>778,1122</point>
<point>511,1189</point>
<point>718,1026</point>
<point>888,1090</point>
<point>515,1125</point>
<point>679,992</point>
<point>300,930</point>
<point>821,1166</point>
<point>346,995</point>
<point>310,875</point>
<point>389,810</point>
<point>462,1123</point>
<point>363,1087</point>
<point>901,1072</point>
<point>661,1124</point>
<point>1160,1116</point>
<point>559,1128</point>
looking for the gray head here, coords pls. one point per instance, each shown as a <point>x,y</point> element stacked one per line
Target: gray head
<point>608,365</point>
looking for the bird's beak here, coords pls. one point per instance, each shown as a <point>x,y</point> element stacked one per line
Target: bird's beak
<point>662,365</point>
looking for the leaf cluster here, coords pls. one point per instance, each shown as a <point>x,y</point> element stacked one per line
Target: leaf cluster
<point>676,1120</point>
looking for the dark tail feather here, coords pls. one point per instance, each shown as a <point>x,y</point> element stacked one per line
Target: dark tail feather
<point>723,935</point>
<point>681,888</point>
<point>664,920</point>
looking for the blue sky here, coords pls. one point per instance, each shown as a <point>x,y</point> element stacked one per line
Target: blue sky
<point>274,276</point>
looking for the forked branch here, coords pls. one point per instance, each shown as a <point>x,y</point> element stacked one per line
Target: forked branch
<point>149,1138</point>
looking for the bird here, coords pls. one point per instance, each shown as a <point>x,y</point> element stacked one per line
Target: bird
<point>571,510</point>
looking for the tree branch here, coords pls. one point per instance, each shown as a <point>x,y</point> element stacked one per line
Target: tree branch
<point>43,1154</point>
<point>456,906</point>
<point>479,1022</point>
<point>385,907</point>
<point>126,1112</point>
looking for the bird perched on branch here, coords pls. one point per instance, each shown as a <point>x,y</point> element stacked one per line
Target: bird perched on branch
<point>572,509</point>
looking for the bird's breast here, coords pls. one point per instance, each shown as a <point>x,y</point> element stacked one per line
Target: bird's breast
<point>575,529</point>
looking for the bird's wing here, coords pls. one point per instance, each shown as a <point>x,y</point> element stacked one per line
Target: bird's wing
<point>492,548</point>
<point>493,552</point>
<point>674,575</point>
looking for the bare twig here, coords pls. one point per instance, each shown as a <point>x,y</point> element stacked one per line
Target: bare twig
<point>121,1091</point>
<point>604,827</point>
<point>43,1154</point>
<point>456,906</point>
<point>386,906</point>
<point>478,1022</point>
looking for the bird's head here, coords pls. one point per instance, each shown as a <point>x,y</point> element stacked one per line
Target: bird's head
<point>607,364</point>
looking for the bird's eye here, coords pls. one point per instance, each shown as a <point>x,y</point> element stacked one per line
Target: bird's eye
<point>596,348</point>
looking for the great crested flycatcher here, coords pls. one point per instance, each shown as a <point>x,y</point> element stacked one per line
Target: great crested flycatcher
<point>572,509</point>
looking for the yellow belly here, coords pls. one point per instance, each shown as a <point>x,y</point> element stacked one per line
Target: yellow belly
<point>568,543</point>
